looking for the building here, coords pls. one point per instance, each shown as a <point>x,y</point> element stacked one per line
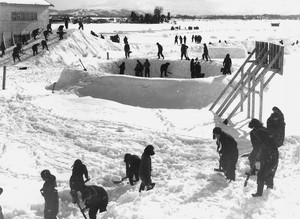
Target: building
<point>19,17</point>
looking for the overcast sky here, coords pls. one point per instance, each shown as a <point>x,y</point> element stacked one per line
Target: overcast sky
<point>192,7</point>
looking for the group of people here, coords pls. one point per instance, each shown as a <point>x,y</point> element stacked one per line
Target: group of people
<point>95,198</point>
<point>182,40</point>
<point>196,38</point>
<point>264,155</point>
<point>195,68</point>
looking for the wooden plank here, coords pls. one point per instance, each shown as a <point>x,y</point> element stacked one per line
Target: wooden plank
<point>233,94</point>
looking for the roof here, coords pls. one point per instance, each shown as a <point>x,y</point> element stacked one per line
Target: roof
<point>26,2</point>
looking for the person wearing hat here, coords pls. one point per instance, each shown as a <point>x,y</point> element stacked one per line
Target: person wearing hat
<point>254,124</point>
<point>228,152</point>
<point>132,167</point>
<point>276,125</point>
<point>50,195</point>
<point>76,180</point>
<point>267,160</point>
<point>146,168</point>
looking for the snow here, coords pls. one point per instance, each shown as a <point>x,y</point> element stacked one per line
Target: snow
<point>98,116</point>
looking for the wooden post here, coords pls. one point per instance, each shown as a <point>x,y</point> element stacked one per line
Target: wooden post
<point>261,100</point>
<point>4,78</point>
<point>107,55</point>
<point>253,97</point>
<point>242,90</point>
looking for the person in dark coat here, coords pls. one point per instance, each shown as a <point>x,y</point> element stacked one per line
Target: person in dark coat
<point>49,28</point>
<point>35,49</point>
<point>24,40</point>
<point>227,65</point>
<point>95,199</point>
<point>192,68</point>
<point>46,34</point>
<point>267,161</point>
<point>67,19</point>
<point>60,32</point>
<point>77,182</point>
<point>254,124</point>
<point>125,40</point>
<point>184,40</point>
<point>147,68</point>
<point>44,45</point>
<point>164,69</point>
<point>80,24</point>
<point>180,39</point>
<point>50,195</point>
<point>160,49</point>
<point>276,125</point>
<point>132,167</point>
<point>197,70</point>
<point>2,48</point>
<point>146,168</point>
<point>138,69</point>
<point>176,40</point>
<point>16,53</point>
<point>205,52</point>
<point>184,51</point>
<point>228,152</point>
<point>35,32</point>
<point>122,68</point>
<point>127,50</point>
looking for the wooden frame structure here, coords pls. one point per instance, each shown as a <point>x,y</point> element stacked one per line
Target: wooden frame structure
<point>268,57</point>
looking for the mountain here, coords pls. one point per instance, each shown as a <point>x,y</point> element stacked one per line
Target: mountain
<point>94,12</point>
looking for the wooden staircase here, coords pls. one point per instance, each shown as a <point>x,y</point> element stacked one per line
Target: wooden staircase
<point>251,78</point>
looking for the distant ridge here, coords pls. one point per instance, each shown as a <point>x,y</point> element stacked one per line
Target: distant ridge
<point>94,12</point>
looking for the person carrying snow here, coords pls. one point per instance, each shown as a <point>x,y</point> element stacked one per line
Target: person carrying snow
<point>146,168</point>
<point>227,65</point>
<point>147,68</point>
<point>77,182</point>
<point>164,69</point>
<point>254,124</point>
<point>132,167</point>
<point>50,195</point>
<point>276,125</point>
<point>228,152</point>
<point>205,52</point>
<point>267,161</point>
<point>160,49</point>
<point>95,199</point>
<point>35,32</point>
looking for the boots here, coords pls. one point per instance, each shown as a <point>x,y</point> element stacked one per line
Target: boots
<point>260,188</point>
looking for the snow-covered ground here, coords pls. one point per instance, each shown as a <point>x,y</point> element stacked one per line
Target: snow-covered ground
<point>98,116</point>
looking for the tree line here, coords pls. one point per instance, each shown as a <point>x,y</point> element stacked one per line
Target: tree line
<point>148,18</point>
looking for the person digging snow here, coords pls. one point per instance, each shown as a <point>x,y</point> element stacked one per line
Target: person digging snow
<point>132,167</point>
<point>228,152</point>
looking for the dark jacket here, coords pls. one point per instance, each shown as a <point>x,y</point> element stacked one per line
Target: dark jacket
<point>160,48</point>
<point>132,165</point>
<point>50,195</point>
<point>76,180</point>
<point>227,143</point>
<point>276,125</point>
<point>268,150</point>
<point>95,198</point>
<point>145,168</point>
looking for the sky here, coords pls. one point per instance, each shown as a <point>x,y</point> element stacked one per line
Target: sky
<point>98,115</point>
<point>191,7</point>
